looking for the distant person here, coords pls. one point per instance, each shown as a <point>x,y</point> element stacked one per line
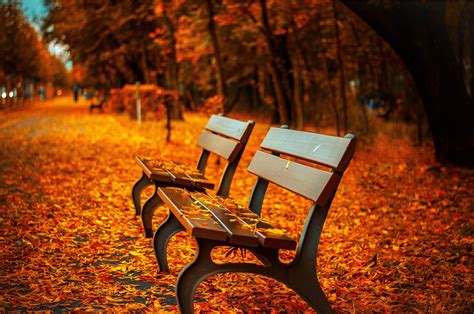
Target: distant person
<point>76,93</point>
<point>42,93</point>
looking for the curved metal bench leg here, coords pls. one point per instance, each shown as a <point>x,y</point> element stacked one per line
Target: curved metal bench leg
<point>202,267</point>
<point>192,274</point>
<point>162,235</point>
<point>137,190</point>
<point>312,293</point>
<point>148,210</point>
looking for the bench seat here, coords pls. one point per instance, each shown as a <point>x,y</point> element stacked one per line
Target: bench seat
<point>170,172</point>
<point>215,218</point>
<point>222,136</point>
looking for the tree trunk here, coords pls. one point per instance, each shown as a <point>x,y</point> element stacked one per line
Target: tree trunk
<point>419,125</point>
<point>146,77</point>
<point>263,93</point>
<point>298,97</point>
<point>340,61</point>
<point>300,79</point>
<point>276,66</point>
<point>383,84</point>
<point>175,112</point>
<point>418,31</point>
<point>221,80</point>
<point>362,62</point>
<point>332,91</point>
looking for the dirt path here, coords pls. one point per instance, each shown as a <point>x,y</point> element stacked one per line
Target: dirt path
<point>398,238</point>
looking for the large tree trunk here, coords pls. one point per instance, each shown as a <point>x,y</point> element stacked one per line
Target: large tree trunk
<point>424,36</point>
<point>144,65</point>
<point>277,66</point>
<point>221,80</point>
<point>176,112</point>
<point>340,61</point>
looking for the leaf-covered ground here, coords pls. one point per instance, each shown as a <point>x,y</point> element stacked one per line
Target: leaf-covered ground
<point>398,238</point>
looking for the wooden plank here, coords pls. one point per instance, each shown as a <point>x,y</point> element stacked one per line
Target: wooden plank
<point>233,128</point>
<point>196,220</point>
<point>168,172</point>
<point>184,179</point>
<point>312,183</point>
<point>205,217</point>
<point>219,145</point>
<point>271,237</point>
<point>154,170</point>
<point>202,182</point>
<point>268,236</point>
<point>330,151</point>
<point>188,177</point>
<point>242,220</point>
<point>239,234</point>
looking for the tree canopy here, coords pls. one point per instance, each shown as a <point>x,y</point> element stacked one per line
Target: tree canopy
<point>23,54</point>
<point>299,61</point>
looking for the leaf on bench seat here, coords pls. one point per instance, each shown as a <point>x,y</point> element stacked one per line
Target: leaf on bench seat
<point>197,221</point>
<point>235,212</point>
<point>206,216</point>
<point>237,232</point>
<point>168,171</point>
<point>153,170</point>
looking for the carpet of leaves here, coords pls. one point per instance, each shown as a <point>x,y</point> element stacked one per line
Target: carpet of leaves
<point>398,238</point>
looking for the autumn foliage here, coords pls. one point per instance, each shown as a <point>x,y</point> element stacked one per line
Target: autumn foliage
<point>398,237</point>
<point>152,100</point>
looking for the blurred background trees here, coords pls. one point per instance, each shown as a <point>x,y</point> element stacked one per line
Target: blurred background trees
<point>304,63</point>
<point>300,61</point>
<point>26,65</point>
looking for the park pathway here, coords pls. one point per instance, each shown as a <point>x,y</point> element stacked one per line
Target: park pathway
<point>398,237</point>
<point>69,237</point>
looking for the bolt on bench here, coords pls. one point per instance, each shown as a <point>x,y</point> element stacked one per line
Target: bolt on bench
<point>215,221</point>
<point>223,136</point>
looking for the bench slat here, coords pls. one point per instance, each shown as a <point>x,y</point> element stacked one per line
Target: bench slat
<point>154,173</point>
<point>312,183</point>
<point>198,222</point>
<point>330,151</point>
<point>269,237</point>
<point>158,171</point>
<point>189,177</point>
<point>244,225</point>
<point>206,217</point>
<point>187,180</point>
<point>229,127</point>
<point>239,234</point>
<point>219,145</point>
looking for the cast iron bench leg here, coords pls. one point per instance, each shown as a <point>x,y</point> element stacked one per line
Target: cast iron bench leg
<point>192,274</point>
<point>202,267</point>
<point>295,277</point>
<point>148,210</point>
<point>162,235</point>
<point>137,190</point>
<point>312,293</point>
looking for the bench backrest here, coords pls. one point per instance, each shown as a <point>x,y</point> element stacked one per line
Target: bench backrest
<point>227,138</point>
<point>315,184</point>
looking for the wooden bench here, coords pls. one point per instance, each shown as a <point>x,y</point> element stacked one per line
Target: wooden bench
<point>217,222</point>
<point>223,136</point>
<point>99,105</point>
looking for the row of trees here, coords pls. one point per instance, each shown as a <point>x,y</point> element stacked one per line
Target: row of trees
<point>293,58</point>
<point>24,57</point>
<point>303,61</point>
